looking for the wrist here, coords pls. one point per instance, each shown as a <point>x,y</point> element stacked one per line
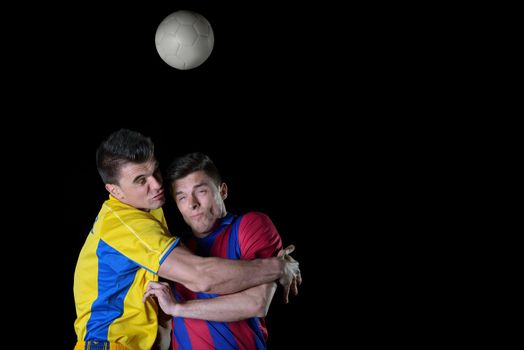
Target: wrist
<point>175,310</point>
<point>280,266</point>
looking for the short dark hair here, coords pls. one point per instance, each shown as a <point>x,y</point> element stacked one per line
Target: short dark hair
<point>121,147</point>
<point>191,162</point>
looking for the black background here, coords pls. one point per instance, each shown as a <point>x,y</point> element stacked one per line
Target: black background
<point>251,106</point>
<point>301,106</point>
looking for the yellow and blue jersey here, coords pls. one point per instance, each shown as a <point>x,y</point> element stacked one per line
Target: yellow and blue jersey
<point>121,255</point>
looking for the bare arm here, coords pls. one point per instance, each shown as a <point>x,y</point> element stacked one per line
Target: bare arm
<point>252,302</point>
<point>223,276</point>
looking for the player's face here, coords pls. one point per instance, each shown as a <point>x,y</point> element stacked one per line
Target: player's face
<point>140,185</point>
<point>200,201</point>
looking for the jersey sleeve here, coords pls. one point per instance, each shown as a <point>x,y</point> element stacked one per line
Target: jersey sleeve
<point>258,236</point>
<point>140,236</point>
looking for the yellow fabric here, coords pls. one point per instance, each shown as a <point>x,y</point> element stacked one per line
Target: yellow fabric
<point>121,255</point>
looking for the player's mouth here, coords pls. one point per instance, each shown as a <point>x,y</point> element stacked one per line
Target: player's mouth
<point>196,216</point>
<point>159,196</point>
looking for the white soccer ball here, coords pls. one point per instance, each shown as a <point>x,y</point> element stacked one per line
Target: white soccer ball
<point>184,39</point>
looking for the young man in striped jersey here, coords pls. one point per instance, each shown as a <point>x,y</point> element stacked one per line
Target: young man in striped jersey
<point>208,321</point>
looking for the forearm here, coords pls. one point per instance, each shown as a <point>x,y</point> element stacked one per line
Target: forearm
<point>222,309</point>
<point>229,276</point>
<point>253,302</point>
<point>216,275</point>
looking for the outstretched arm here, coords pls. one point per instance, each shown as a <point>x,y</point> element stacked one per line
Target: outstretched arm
<point>225,276</point>
<point>252,302</point>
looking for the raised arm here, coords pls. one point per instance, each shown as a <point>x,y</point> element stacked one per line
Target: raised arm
<point>225,276</point>
<point>252,302</point>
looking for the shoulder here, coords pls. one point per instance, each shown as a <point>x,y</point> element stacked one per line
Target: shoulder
<point>257,236</point>
<point>255,219</point>
<point>125,218</point>
<point>256,223</point>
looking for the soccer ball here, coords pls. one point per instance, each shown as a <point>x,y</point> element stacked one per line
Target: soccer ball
<point>184,39</point>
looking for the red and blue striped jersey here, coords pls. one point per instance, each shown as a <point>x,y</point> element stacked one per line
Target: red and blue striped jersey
<point>246,237</point>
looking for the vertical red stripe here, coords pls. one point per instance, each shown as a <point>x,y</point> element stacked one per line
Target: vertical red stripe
<point>244,336</point>
<point>219,247</point>
<point>199,334</point>
<point>174,343</point>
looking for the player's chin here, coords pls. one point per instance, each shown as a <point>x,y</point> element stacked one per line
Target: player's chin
<point>157,203</point>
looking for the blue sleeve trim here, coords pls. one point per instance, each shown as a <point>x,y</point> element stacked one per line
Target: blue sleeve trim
<point>175,243</point>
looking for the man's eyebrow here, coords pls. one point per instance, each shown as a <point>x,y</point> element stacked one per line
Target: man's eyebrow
<point>196,186</point>
<point>135,180</point>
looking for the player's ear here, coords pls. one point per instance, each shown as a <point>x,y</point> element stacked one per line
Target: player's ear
<point>114,190</point>
<point>223,190</point>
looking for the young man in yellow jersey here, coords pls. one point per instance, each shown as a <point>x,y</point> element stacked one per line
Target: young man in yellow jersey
<point>130,245</point>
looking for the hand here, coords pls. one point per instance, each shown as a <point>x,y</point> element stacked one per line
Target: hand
<point>162,292</point>
<point>291,277</point>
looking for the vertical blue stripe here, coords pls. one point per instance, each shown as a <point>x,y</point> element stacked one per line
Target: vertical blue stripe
<point>205,244</point>
<point>233,247</point>
<point>116,273</point>
<point>181,335</point>
<point>223,338</point>
<point>254,324</point>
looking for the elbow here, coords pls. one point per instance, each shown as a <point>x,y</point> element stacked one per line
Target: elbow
<point>202,278</point>
<point>262,299</point>
<point>261,312</point>
<point>202,285</point>
<point>205,281</point>
<point>260,307</point>
<point>205,286</point>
